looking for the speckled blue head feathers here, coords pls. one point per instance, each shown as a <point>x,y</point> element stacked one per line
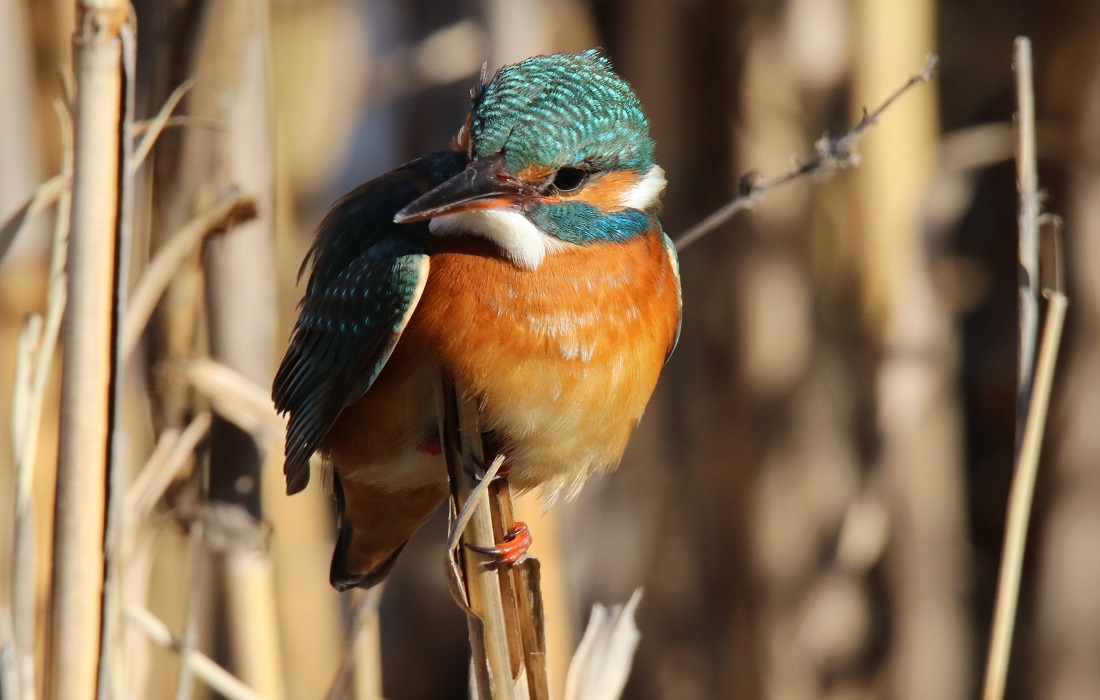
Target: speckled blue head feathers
<point>562,110</point>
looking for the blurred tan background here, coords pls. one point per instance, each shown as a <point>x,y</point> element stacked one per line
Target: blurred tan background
<point>815,500</point>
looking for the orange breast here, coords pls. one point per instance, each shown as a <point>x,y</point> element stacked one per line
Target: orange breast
<point>563,358</point>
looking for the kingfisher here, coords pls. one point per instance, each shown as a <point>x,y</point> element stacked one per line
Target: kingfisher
<point>526,264</point>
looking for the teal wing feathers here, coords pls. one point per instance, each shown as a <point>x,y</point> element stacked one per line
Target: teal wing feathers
<point>366,278</point>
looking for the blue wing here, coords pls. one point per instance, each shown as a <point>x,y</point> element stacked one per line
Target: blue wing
<point>366,279</point>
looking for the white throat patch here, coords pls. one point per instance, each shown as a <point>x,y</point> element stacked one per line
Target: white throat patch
<point>524,243</point>
<point>644,193</point>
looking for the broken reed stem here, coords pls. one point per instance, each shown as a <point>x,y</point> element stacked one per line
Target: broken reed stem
<point>520,584</point>
<point>1027,183</point>
<point>831,153</point>
<point>83,449</point>
<point>1019,504</point>
<point>1035,379</point>
<point>507,642</point>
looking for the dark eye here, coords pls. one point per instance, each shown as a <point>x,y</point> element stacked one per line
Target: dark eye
<point>569,179</point>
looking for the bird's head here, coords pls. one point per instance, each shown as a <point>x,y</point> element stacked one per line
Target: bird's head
<point>559,155</point>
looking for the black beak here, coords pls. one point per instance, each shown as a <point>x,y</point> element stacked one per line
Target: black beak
<point>484,184</point>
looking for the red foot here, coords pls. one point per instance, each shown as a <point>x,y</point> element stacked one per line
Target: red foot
<point>511,550</point>
<point>432,447</point>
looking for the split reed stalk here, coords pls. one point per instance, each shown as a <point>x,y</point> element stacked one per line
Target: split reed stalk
<point>487,625</point>
<point>503,607</point>
<point>84,452</point>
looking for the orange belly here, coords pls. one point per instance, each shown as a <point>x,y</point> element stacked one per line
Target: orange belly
<point>563,358</point>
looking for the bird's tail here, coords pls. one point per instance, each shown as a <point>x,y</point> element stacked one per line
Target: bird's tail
<point>375,525</point>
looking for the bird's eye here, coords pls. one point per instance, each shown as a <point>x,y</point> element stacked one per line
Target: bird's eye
<point>569,179</point>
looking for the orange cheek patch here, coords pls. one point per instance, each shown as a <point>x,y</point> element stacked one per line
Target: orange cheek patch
<point>534,173</point>
<point>606,192</point>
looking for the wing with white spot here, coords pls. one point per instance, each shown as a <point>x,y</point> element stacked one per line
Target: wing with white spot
<point>367,277</point>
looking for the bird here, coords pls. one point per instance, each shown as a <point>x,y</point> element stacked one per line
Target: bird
<point>525,263</point>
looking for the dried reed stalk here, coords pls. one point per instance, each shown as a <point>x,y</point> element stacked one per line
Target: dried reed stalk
<point>87,369</point>
<point>36,355</point>
<point>232,62</point>
<point>1019,504</point>
<point>1027,182</point>
<point>503,607</point>
<point>1035,380</point>
<point>918,451</point>
<point>17,653</point>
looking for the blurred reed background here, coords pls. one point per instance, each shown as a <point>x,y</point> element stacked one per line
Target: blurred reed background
<point>815,501</point>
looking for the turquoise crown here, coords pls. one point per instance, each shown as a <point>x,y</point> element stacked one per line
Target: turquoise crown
<point>562,110</point>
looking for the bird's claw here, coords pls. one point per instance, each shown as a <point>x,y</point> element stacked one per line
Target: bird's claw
<point>511,550</point>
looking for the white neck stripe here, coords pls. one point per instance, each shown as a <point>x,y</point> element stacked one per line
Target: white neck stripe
<point>644,193</point>
<point>524,243</point>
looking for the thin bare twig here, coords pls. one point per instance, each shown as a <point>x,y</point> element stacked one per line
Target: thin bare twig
<point>831,153</point>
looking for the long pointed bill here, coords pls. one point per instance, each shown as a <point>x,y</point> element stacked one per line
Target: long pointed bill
<point>484,184</point>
